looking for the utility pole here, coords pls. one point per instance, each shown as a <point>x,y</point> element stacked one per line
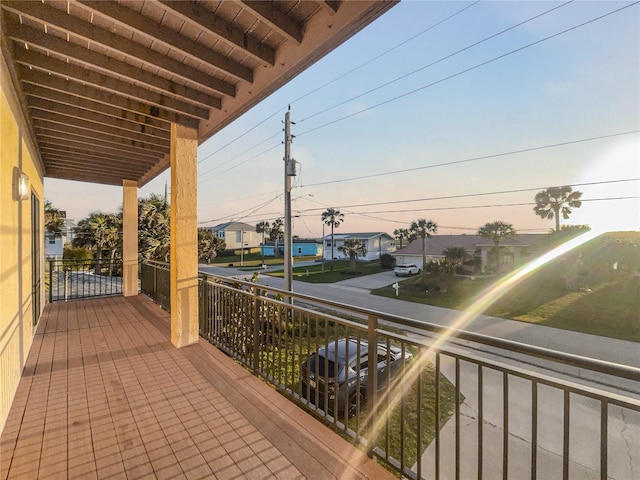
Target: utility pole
<point>289,171</point>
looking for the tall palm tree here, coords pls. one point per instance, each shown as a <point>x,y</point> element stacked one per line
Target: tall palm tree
<point>333,218</point>
<point>553,201</point>
<point>154,225</point>
<point>401,233</point>
<point>424,229</point>
<point>353,247</point>
<point>263,227</point>
<point>496,231</point>
<point>53,219</point>
<point>276,233</point>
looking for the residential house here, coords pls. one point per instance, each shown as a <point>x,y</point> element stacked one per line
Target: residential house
<point>514,251</point>
<point>54,245</point>
<point>300,247</point>
<point>238,235</point>
<point>376,243</point>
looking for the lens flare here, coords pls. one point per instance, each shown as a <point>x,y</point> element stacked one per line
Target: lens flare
<point>481,303</point>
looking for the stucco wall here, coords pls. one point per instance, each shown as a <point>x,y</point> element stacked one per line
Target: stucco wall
<point>16,318</point>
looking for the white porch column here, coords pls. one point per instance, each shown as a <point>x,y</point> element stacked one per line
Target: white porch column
<point>130,238</point>
<point>184,236</point>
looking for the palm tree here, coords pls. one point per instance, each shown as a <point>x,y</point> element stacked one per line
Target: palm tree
<point>496,231</point>
<point>352,247</point>
<point>154,228</point>
<point>553,201</point>
<point>263,227</point>
<point>401,233</point>
<point>276,233</point>
<point>424,229</point>
<point>209,246</point>
<point>53,219</point>
<point>332,218</point>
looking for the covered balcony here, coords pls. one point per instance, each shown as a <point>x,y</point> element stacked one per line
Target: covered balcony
<point>104,394</point>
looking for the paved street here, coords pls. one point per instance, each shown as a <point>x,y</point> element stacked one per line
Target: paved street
<point>356,291</point>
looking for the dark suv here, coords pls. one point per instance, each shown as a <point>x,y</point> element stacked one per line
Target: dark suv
<point>338,374</point>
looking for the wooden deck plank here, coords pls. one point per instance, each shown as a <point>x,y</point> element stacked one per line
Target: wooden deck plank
<point>105,394</point>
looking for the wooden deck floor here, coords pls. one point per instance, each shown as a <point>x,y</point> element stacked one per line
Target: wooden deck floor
<point>104,394</point>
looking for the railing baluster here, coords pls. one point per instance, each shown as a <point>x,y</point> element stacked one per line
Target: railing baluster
<point>604,440</point>
<point>505,426</point>
<point>437,417</point>
<point>565,439</point>
<point>457,417</point>
<point>480,421</point>
<point>534,430</point>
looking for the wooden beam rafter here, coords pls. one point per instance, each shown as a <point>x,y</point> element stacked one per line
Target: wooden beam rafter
<point>93,35</point>
<point>168,37</point>
<point>109,66</point>
<point>105,82</point>
<point>198,15</point>
<point>105,98</point>
<point>268,12</point>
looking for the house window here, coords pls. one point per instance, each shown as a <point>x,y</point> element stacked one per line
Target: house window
<point>299,250</point>
<point>52,240</point>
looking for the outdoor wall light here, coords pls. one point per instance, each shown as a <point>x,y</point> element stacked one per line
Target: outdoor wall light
<point>20,185</point>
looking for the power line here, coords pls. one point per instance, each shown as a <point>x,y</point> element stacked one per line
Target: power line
<point>239,155</point>
<point>406,75</point>
<point>481,194</point>
<point>262,205</point>
<point>240,136</point>
<point>471,207</point>
<point>349,72</point>
<point>482,64</point>
<point>472,159</point>
<point>339,77</point>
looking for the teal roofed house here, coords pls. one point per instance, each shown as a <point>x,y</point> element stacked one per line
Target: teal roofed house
<point>300,248</point>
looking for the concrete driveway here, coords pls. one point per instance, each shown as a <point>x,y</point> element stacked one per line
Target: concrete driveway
<point>369,282</point>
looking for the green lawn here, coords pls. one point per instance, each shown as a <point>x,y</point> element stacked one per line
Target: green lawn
<point>607,306</point>
<point>313,273</point>
<point>254,260</point>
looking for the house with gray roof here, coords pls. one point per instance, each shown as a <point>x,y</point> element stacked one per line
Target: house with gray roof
<point>514,251</point>
<point>376,244</point>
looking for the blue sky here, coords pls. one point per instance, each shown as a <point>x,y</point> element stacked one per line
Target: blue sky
<point>578,85</point>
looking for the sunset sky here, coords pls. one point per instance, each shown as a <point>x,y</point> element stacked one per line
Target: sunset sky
<point>450,127</point>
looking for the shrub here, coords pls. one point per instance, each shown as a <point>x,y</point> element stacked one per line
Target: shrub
<point>77,253</point>
<point>387,261</point>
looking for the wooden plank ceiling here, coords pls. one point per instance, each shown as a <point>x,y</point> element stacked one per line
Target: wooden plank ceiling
<point>102,81</point>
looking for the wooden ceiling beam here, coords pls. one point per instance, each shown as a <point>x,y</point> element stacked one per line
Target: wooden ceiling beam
<point>198,15</point>
<point>101,81</point>
<point>109,66</point>
<point>92,34</point>
<point>275,18</point>
<point>53,138</point>
<point>104,178</point>
<point>67,131</point>
<point>96,128</point>
<point>88,162</point>
<point>43,93</point>
<point>131,20</point>
<point>97,117</point>
<point>61,145</point>
<point>80,156</point>
<point>103,97</point>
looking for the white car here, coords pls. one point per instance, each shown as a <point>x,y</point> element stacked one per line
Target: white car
<point>406,269</point>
